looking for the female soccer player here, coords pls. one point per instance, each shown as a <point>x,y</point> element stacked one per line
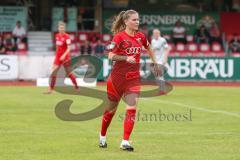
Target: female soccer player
<point>124,80</point>
<point>161,50</point>
<point>62,57</point>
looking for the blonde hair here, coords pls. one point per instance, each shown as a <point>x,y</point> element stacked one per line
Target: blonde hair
<point>157,30</point>
<point>118,24</point>
<point>61,23</point>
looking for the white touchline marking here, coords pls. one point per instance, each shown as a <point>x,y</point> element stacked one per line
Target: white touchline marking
<point>73,132</point>
<point>194,107</point>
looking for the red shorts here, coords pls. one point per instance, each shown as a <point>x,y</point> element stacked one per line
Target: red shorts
<point>66,62</point>
<point>120,86</point>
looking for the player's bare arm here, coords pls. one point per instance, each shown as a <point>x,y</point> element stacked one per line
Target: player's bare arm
<point>152,56</point>
<point>165,59</point>
<point>65,53</point>
<point>114,57</point>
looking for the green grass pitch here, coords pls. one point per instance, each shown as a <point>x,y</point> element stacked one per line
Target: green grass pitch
<point>29,129</point>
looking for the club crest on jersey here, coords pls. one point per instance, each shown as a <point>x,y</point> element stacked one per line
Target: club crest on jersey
<point>139,39</point>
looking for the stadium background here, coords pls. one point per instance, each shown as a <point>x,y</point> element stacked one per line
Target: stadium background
<point>205,79</point>
<point>89,22</point>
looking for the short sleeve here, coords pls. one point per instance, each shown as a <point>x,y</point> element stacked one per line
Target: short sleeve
<point>145,41</point>
<point>23,31</point>
<point>183,29</point>
<point>153,44</point>
<point>14,31</point>
<point>56,35</point>
<point>165,45</point>
<point>115,43</point>
<point>68,40</point>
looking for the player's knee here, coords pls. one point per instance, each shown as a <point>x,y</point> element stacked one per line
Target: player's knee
<point>131,102</point>
<point>128,107</point>
<point>112,105</point>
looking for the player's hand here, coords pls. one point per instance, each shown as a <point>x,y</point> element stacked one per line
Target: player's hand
<point>131,59</point>
<point>62,58</point>
<point>157,69</point>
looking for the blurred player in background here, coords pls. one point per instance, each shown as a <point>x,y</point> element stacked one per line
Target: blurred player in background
<point>124,80</point>
<point>62,57</point>
<point>161,50</point>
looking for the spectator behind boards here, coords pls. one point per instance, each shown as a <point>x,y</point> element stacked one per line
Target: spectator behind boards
<point>178,34</point>
<point>2,48</point>
<point>99,48</point>
<point>19,33</point>
<point>234,44</point>
<point>202,35</point>
<point>214,33</point>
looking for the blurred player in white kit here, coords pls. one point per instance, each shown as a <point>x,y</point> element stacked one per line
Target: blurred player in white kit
<point>161,49</point>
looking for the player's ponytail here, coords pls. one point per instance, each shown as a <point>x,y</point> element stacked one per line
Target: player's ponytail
<point>118,24</point>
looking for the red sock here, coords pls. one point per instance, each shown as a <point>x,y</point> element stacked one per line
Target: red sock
<point>129,123</point>
<point>106,120</point>
<point>73,79</point>
<point>53,82</point>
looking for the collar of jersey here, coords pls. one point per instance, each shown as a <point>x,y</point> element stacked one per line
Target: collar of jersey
<point>129,35</point>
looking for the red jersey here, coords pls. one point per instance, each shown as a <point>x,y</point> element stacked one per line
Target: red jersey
<point>62,41</point>
<point>126,45</point>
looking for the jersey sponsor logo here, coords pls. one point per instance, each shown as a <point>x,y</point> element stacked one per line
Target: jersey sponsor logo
<point>128,47</point>
<point>133,50</point>
<point>125,46</point>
